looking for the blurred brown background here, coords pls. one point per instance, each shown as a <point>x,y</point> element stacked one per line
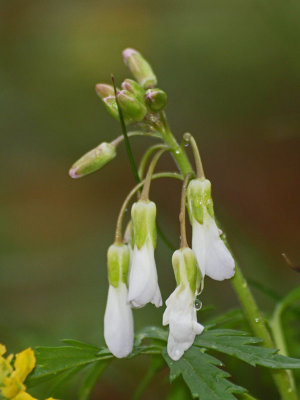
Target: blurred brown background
<point>232,73</point>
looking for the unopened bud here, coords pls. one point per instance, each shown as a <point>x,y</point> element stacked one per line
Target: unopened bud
<point>156,99</point>
<point>93,160</point>
<point>199,199</point>
<point>135,88</point>
<point>139,68</point>
<point>104,90</point>
<point>111,106</point>
<point>131,106</point>
<point>143,214</point>
<point>185,268</point>
<point>118,264</point>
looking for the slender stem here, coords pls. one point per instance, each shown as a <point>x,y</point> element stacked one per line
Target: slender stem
<point>259,328</point>
<point>124,131</point>
<point>183,240</point>
<point>118,234</point>
<point>199,167</point>
<point>239,283</point>
<point>178,152</point>
<point>146,157</point>
<point>146,187</point>
<point>120,138</point>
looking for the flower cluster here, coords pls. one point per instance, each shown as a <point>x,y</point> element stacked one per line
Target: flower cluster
<point>208,256</point>
<point>13,374</point>
<point>132,273</point>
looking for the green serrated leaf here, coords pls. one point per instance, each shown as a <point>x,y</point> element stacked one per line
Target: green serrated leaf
<point>52,361</point>
<point>201,373</point>
<point>238,344</point>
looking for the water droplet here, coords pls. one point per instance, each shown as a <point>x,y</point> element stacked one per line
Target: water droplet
<point>186,144</point>
<point>198,304</point>
<point>177,151</point>
<point>257,320</point>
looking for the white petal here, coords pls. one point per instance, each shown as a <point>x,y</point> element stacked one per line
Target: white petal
<point>219,263</point>
<point>181,316</point>
<point>143,285</point>
<point>118,322</point>
<point>198,245</point>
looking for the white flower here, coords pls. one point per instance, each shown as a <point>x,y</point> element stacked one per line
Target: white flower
<point>181,316</point>
<point>213,257</point>
<point>118,322</point>
<point>181,313</point>
<point>143,284</point>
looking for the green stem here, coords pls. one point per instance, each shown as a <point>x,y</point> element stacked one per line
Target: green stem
<point>250,308</point>
<point>178,152</point>
<point>259,328</point>
<point>182,212</point>
<point>146,156</point>
<point>146,187</point>
<point>120,138</point>
<point>124,131</point>
<point>118,234</point>
<point>199,167</point>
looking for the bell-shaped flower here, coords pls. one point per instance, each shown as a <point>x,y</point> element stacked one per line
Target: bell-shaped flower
<point>181,314</point>
<point>118,319</point>
<point>143,284</point>
<point>213,257</point>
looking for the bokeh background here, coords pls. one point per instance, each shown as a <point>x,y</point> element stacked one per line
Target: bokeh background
<point>232,73</point>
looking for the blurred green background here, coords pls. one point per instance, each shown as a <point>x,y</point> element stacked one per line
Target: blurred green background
<point>232,73</point>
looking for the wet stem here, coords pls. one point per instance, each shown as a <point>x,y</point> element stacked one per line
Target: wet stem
<point>254,316</point>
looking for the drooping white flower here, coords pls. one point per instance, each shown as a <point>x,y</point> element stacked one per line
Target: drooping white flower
<point>213,257</point>
<point>143,283</point>
<point>118,322</point>
<point>180,314</point>
<point>118,319</point>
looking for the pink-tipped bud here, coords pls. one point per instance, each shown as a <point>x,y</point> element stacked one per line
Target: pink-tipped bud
<point>140,68</point>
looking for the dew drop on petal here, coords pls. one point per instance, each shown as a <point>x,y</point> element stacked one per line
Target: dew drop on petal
<point>198,304</point>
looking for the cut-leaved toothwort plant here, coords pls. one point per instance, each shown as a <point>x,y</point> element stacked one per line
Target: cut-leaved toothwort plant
<point>182,345</point>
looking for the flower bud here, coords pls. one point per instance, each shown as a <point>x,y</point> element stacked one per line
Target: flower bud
<point>111,106</point>
<point>143,214</point>
<point>103,90</point>
<point>93,160</point>
<point>156,99</point>
<point>139,68</point>
<point>135,88</point>
<point>132,108</point>
<point>118,264</point>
